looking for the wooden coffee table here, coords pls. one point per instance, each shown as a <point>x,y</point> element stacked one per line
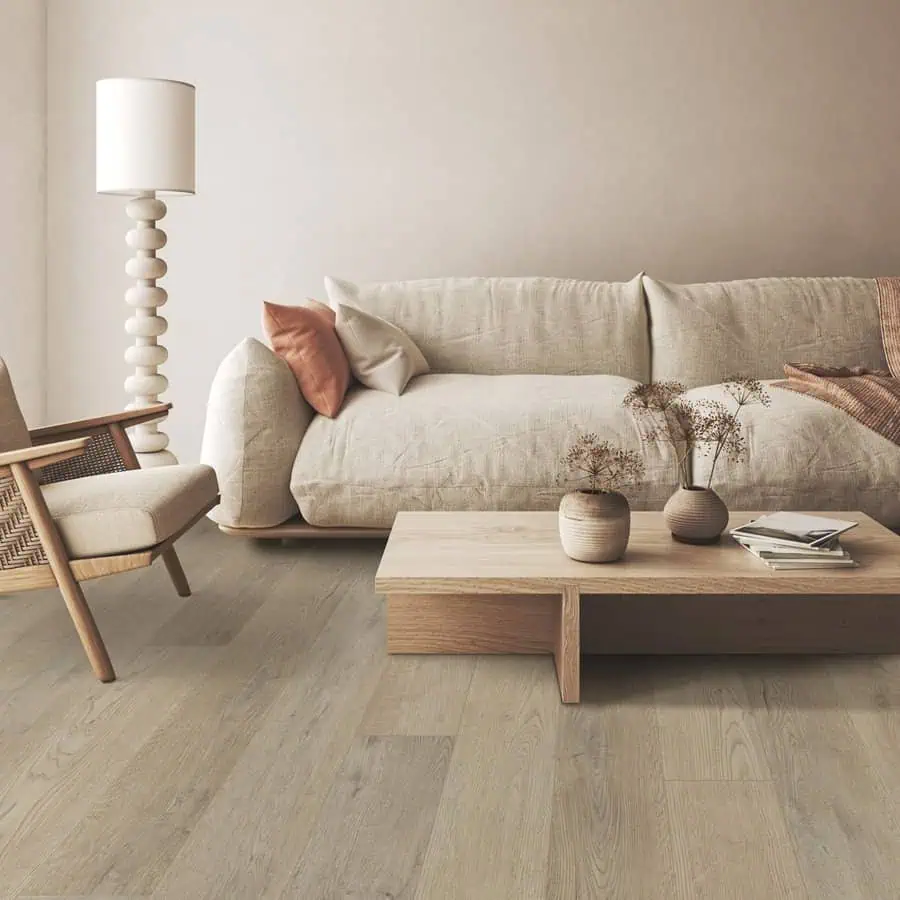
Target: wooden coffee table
<point>499,582</point>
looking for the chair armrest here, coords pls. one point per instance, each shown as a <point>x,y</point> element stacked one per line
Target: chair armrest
<point>45,454</point>
<point>126,419</point>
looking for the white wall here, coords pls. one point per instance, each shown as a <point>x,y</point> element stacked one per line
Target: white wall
<point>23,86</point>
<point>695,139</point>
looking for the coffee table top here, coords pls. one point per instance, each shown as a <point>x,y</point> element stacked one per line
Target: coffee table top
<point>520,553</point>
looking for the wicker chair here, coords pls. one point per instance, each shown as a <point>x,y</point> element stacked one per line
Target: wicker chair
<point>75,505</point>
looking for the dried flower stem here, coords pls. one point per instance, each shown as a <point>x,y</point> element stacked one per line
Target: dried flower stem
<point>687,424</point>
<point>605,467</point>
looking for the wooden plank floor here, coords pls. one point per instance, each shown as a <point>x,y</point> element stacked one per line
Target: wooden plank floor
<point>259,743</point>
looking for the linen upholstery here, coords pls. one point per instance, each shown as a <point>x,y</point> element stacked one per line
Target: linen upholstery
<point>255,420</point>
<point>13,430</point>
<point>703,333</point>
<point>805,454</point>
<point>126,511</point>
<point>459,442</point>
<point>381,356</point>
<point>305,338</point>
<point>508,326</point>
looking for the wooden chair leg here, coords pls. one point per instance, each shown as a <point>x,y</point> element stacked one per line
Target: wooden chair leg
<point>176,573</point>
<point>62,572</point>
<point>86,627</point>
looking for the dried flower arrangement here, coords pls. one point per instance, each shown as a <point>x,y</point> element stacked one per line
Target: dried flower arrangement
<point>605,467</point>
<point>709,425</point>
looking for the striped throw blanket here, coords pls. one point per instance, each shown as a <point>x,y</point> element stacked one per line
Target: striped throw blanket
<point>872,396</point>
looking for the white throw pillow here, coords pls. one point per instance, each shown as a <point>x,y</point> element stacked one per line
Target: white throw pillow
<point>381,355</point>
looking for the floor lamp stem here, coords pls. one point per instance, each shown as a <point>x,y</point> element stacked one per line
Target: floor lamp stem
<point>145,326</point>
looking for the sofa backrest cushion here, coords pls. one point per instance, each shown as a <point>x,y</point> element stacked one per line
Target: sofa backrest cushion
<point>506,326</point>
<point>702,333</point>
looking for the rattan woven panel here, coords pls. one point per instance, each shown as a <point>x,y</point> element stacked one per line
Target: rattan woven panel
<point>100,456</point>
<point>20,546</point>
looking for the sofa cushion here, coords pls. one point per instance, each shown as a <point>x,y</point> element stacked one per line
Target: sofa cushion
<point>305,338</point>
<point>13,430</point>
<point>506,326</point>
<point>255,419</point>
<point>381,355</point>
<point>460,442</point>
<point>704,333</point>
<point>806,455</point>
<point>125,511</point>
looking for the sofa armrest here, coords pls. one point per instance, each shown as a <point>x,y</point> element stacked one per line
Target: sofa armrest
<point>255,420</point>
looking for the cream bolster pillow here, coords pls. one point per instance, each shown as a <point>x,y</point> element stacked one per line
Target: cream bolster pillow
<point>255,420</point>
<point>381,355</point>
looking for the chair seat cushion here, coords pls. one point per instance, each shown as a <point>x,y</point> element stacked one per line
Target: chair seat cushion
<point>126,511</point>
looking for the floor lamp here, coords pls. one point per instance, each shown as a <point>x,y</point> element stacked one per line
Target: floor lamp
<point>145,147</point>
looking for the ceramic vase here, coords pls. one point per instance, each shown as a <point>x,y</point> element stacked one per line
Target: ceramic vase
<point>594,525</point>
<point>696,515</point>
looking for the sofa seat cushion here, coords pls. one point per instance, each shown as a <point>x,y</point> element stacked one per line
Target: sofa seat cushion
<point>125,511</point>
<point>456,442</point>
<point>806,455</point>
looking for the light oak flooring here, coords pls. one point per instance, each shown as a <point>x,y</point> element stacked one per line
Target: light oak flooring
<point>259,743</point>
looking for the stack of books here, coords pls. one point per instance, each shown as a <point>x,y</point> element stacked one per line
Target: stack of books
<point>786,540</point>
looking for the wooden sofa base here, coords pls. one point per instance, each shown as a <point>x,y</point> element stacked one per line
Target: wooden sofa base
<point>297,528</point>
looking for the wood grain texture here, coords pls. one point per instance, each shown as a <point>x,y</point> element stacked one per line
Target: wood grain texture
<point>610,832</point>
<point>484,849</point>
<point>161,793</point>
<point>420,695</point>
<point>58,560</point>
<point>80,758</point>
<point>708,730</point>
<point>51,452</point>
<point>14,580</point>
<point>128,418</point>
<point>176,572</point>
<point>472,623</point>
<point>221,763</point>
<point>265,813</point>
<point>838,803</point>
<point>730,842</point>
<point>520,553</point>
<point>567,645</point>
<point>387,785</point>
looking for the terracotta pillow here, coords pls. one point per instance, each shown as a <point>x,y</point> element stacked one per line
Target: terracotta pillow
<point>304,337</point>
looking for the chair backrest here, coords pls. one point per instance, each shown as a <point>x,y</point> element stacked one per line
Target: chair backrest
<point>13,430</point>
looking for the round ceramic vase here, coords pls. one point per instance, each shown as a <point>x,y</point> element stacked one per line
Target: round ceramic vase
<point>594,525</point>
<point>696,515</point>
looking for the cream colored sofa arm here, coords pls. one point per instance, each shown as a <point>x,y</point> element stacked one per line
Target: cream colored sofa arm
<point>255,420</point>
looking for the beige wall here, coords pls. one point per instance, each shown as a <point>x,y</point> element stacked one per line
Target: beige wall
<point>696,139</point>
<point>22,182</point>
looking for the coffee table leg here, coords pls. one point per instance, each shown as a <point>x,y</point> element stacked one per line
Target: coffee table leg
<point>567,646</point>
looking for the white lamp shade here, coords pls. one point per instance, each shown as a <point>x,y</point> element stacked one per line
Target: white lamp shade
<point>145,136</point>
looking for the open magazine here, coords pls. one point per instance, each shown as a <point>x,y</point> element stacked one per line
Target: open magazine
<point>787,529</point>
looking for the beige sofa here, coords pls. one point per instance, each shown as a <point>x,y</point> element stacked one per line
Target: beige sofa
<point>517,366</point>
